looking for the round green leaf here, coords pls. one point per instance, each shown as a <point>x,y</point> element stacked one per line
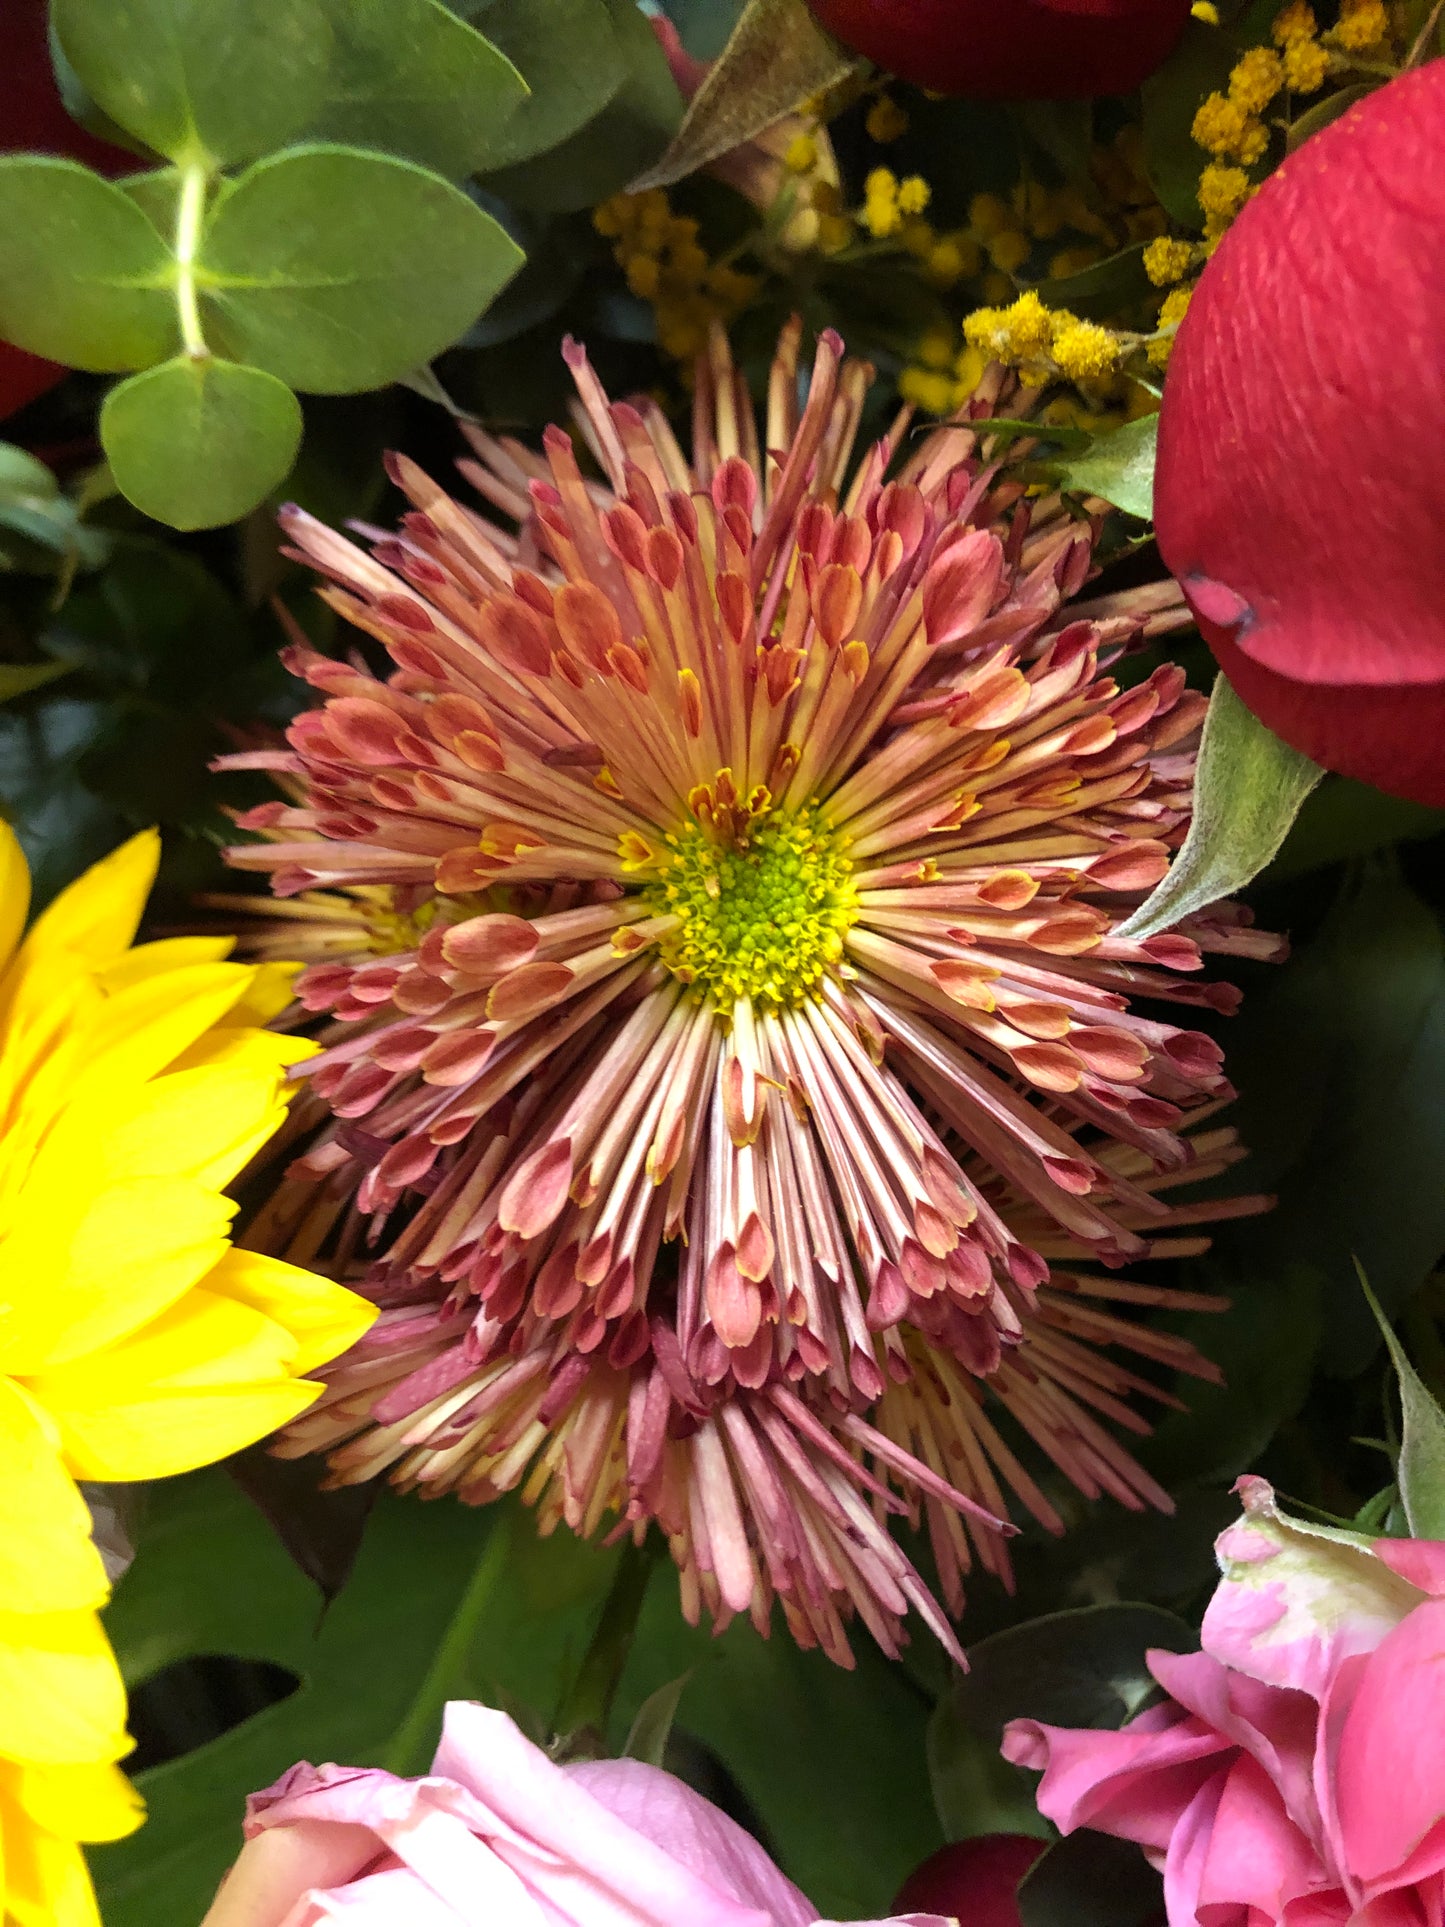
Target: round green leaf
<point>569,55</point>
<point>338,270</point>
<point>408,76</point>
<point>198,442</point>
<point>84,277</point>
<point>201,81</point>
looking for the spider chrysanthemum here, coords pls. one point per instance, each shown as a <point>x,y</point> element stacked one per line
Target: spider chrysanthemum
<point>715,907</point>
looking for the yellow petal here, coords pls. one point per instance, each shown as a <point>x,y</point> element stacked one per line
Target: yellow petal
<point>324,1318</point>
<point>206,1378</point>
<point>269,994</point>
<point>61,1697</point>
<point>157,959</point>
<point>202,1124</point>
<point>146,1026</point>
<point>14,892</point>
<point>43,1877</point>
<point>98,914</point>
<point>90,1802</point>
<point>75,1285</point>
<point>48,1561</point>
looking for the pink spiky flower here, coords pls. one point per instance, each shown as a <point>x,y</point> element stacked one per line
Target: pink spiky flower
<point>733,1029</point>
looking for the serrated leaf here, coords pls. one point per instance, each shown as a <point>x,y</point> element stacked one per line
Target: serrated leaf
<point>569,55</point>
<point>337,270</point>
<point>1420,1471</point>
<point>83,274</point>
<point>1119,467</point>
<point>410,77</point>
<point>199,441</point>
<point>776,57</point>
<point>204,82</point>
<point>1247,792</point>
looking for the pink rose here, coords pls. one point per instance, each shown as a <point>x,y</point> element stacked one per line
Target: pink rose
<point>497,1835</point>
<point>1297,1771</point>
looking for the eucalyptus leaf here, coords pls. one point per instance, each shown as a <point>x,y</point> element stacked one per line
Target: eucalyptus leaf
<point>410,77</point>
<point>975,1789</point>
<point>157,193</point>
<point>1091,1880</point>
<point>24,477</point>
<point>1173,160</point>
<point>1101,290</point>
<point>776,57</point>
<point>1119,467</point>
<point>629,133</point>
<point>1420,1472</point>
<point>84,276</point>
<point>568,53</point>
<point>338,270</point>
<point>200,441</point>
<point>1247,793</point>
<point>204,82</point>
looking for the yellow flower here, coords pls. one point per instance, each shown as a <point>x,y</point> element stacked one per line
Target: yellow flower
<point>1084,351</point>
<point>914,194</point>
<point>135,1341</point>
<point>1294,22</point>
<point>1167,260</point>
<point>1306,66</point>
<point>1257,76</point>
<point>1363,24</point>
<point>886,120</point>
<point>1223,191</point>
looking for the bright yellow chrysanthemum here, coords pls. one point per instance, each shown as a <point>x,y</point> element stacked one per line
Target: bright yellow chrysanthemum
<point>134,1340</point>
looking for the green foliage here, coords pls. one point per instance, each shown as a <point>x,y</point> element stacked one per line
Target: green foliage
<point>1119,467</point>
<point>1248,791</point>
<point>1420,1468</point>
<point>204,82</point>
<point>198,441</point>
<point>84,277</point>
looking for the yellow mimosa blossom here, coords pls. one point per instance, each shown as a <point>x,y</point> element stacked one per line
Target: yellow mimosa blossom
<point>135,1341</point>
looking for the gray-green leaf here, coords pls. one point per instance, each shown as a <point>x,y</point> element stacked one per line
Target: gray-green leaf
<point>204,82</point>
<point>1248,791</point>
<point>570,57</point>
<point>410,77</point>
<point>1119,467</point>
<point>83,274</point>
<point>199,441</point>
<point>338,270</point>
<point>1420,1472</point>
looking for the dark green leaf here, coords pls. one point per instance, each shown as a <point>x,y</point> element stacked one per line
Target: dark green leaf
<point>1101,290</point>
<point>1119,467</point>
<point>1171,98</point>
<point>776,57</point>
<point>442,1601</point>
<point>1342,819</point>
<point>975,1789</point>
<point>337,270</point>
<point>1420,1471</point>
<point>84,277</point>
<point>1062,130</point>
<point>1340,1062</point>
<point>569,55</point>
<point>629,132</point>
<point>652,1725</point>
<point>410,77</point>
<point>1091,1880</point>
<point>1324,111</point>
<point>61,825</point>
<point>1080,1668</point>
<point>1247,793</point>
<point>204,82</point>
<point>199,441</point>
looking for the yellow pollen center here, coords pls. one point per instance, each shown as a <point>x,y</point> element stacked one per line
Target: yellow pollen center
<point>762,918</point>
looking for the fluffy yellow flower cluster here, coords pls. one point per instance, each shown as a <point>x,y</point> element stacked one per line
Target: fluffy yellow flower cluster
<point>135,1341</point>
<point>666,264</point>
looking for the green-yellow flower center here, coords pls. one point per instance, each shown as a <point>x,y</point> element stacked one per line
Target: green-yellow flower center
<point>763,916</point>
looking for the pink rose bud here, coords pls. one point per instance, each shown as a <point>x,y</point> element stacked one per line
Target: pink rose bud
<point>1295,1775</point>
<point>498,1835</point>
<point>1298,496</point>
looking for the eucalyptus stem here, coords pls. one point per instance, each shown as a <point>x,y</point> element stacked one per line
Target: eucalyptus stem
<point>190,210</point>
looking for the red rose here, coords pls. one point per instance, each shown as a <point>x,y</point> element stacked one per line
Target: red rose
<point>1011,49</point>
<point>1299,495</point>
<point>32,118</point>
<point>976,1881</point>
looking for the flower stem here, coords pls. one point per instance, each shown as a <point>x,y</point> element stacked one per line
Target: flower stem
<point>583,1713</point>
<point>1417,52</point>
<point>190,209</point>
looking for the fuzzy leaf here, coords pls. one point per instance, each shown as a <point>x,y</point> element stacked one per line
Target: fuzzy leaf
<point>1248,792</point>
<point>777,57</point>
<point>337,270</point>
